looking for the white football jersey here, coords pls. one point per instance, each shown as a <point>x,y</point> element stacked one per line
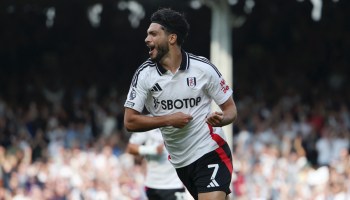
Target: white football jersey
<point>160,173</point>
<point>191,91</point>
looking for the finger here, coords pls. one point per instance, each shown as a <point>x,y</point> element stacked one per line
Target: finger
<point>221,117</point>
<point>217,118</point>
<point>208,122</point>
<point>219,113</point>
<point>212,121</point>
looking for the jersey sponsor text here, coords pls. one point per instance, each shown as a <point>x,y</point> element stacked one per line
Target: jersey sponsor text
<point>177,103</point>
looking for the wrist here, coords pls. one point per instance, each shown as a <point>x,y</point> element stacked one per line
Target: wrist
<point>167,120</point>
<point>223,122</point>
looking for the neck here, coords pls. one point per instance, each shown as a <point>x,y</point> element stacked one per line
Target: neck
<point>172,61</point>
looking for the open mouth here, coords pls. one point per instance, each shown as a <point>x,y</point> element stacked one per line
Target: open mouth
<point>151,48</point>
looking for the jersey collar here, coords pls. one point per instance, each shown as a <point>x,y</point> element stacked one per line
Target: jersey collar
<point>185,63</point>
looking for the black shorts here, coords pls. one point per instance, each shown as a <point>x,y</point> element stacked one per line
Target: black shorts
<point>211,172</point>
<point>165,194</point>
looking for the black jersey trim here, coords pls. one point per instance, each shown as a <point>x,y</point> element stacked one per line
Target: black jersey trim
<point>205,60</point>
<point>160,69</point>
<point>144,65</point>
<point>185,63</point>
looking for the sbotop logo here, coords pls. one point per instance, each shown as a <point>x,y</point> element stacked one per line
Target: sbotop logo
<point>177,103</point>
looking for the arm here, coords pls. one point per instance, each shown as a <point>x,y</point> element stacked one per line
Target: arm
<point>227,116</point>
<point>136,122</point>
<point>136,149</point>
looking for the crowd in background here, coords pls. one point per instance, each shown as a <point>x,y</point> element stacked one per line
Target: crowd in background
<point>292,150</point>
<point>68,143</point>
<point>62,91</point>
<point>54,151</point>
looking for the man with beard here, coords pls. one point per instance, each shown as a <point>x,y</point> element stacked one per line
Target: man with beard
<point>177,88</point>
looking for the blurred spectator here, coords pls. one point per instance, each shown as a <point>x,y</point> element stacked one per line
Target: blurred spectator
<point>61,134</point>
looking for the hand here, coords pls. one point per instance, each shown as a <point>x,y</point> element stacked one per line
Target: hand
<point>179,119</point>
<point>215,119</point>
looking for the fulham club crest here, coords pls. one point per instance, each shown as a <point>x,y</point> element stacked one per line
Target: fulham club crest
<point>191,82</point>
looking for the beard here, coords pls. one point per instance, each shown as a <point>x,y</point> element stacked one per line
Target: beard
<point>162,50</point>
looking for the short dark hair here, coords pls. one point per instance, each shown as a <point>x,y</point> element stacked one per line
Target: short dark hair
<point>173,22</point>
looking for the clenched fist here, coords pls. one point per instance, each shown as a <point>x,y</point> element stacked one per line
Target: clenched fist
<point>179,119</point>
<point>215,119</point>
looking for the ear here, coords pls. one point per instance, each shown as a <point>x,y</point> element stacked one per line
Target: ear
<point>172,38</point>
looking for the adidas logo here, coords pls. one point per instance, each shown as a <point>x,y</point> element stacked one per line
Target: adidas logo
<point>156,88</point>
<point>213,183</point>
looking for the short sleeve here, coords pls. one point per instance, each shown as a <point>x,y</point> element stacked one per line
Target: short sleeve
<point>137,95</point>
<point>217,87</point>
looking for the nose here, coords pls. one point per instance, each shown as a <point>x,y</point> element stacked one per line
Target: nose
<point>147,39</point>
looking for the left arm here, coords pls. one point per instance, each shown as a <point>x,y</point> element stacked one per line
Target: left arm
<point>227,116</point>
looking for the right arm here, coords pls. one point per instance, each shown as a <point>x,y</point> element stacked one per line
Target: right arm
<point>136,149</point>
<point>134,121</point>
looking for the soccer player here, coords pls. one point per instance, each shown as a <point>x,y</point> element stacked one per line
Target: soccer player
<point>162,182</point>
<point>177,88</point>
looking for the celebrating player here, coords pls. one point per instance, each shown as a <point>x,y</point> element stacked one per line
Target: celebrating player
<point>177,88</point>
